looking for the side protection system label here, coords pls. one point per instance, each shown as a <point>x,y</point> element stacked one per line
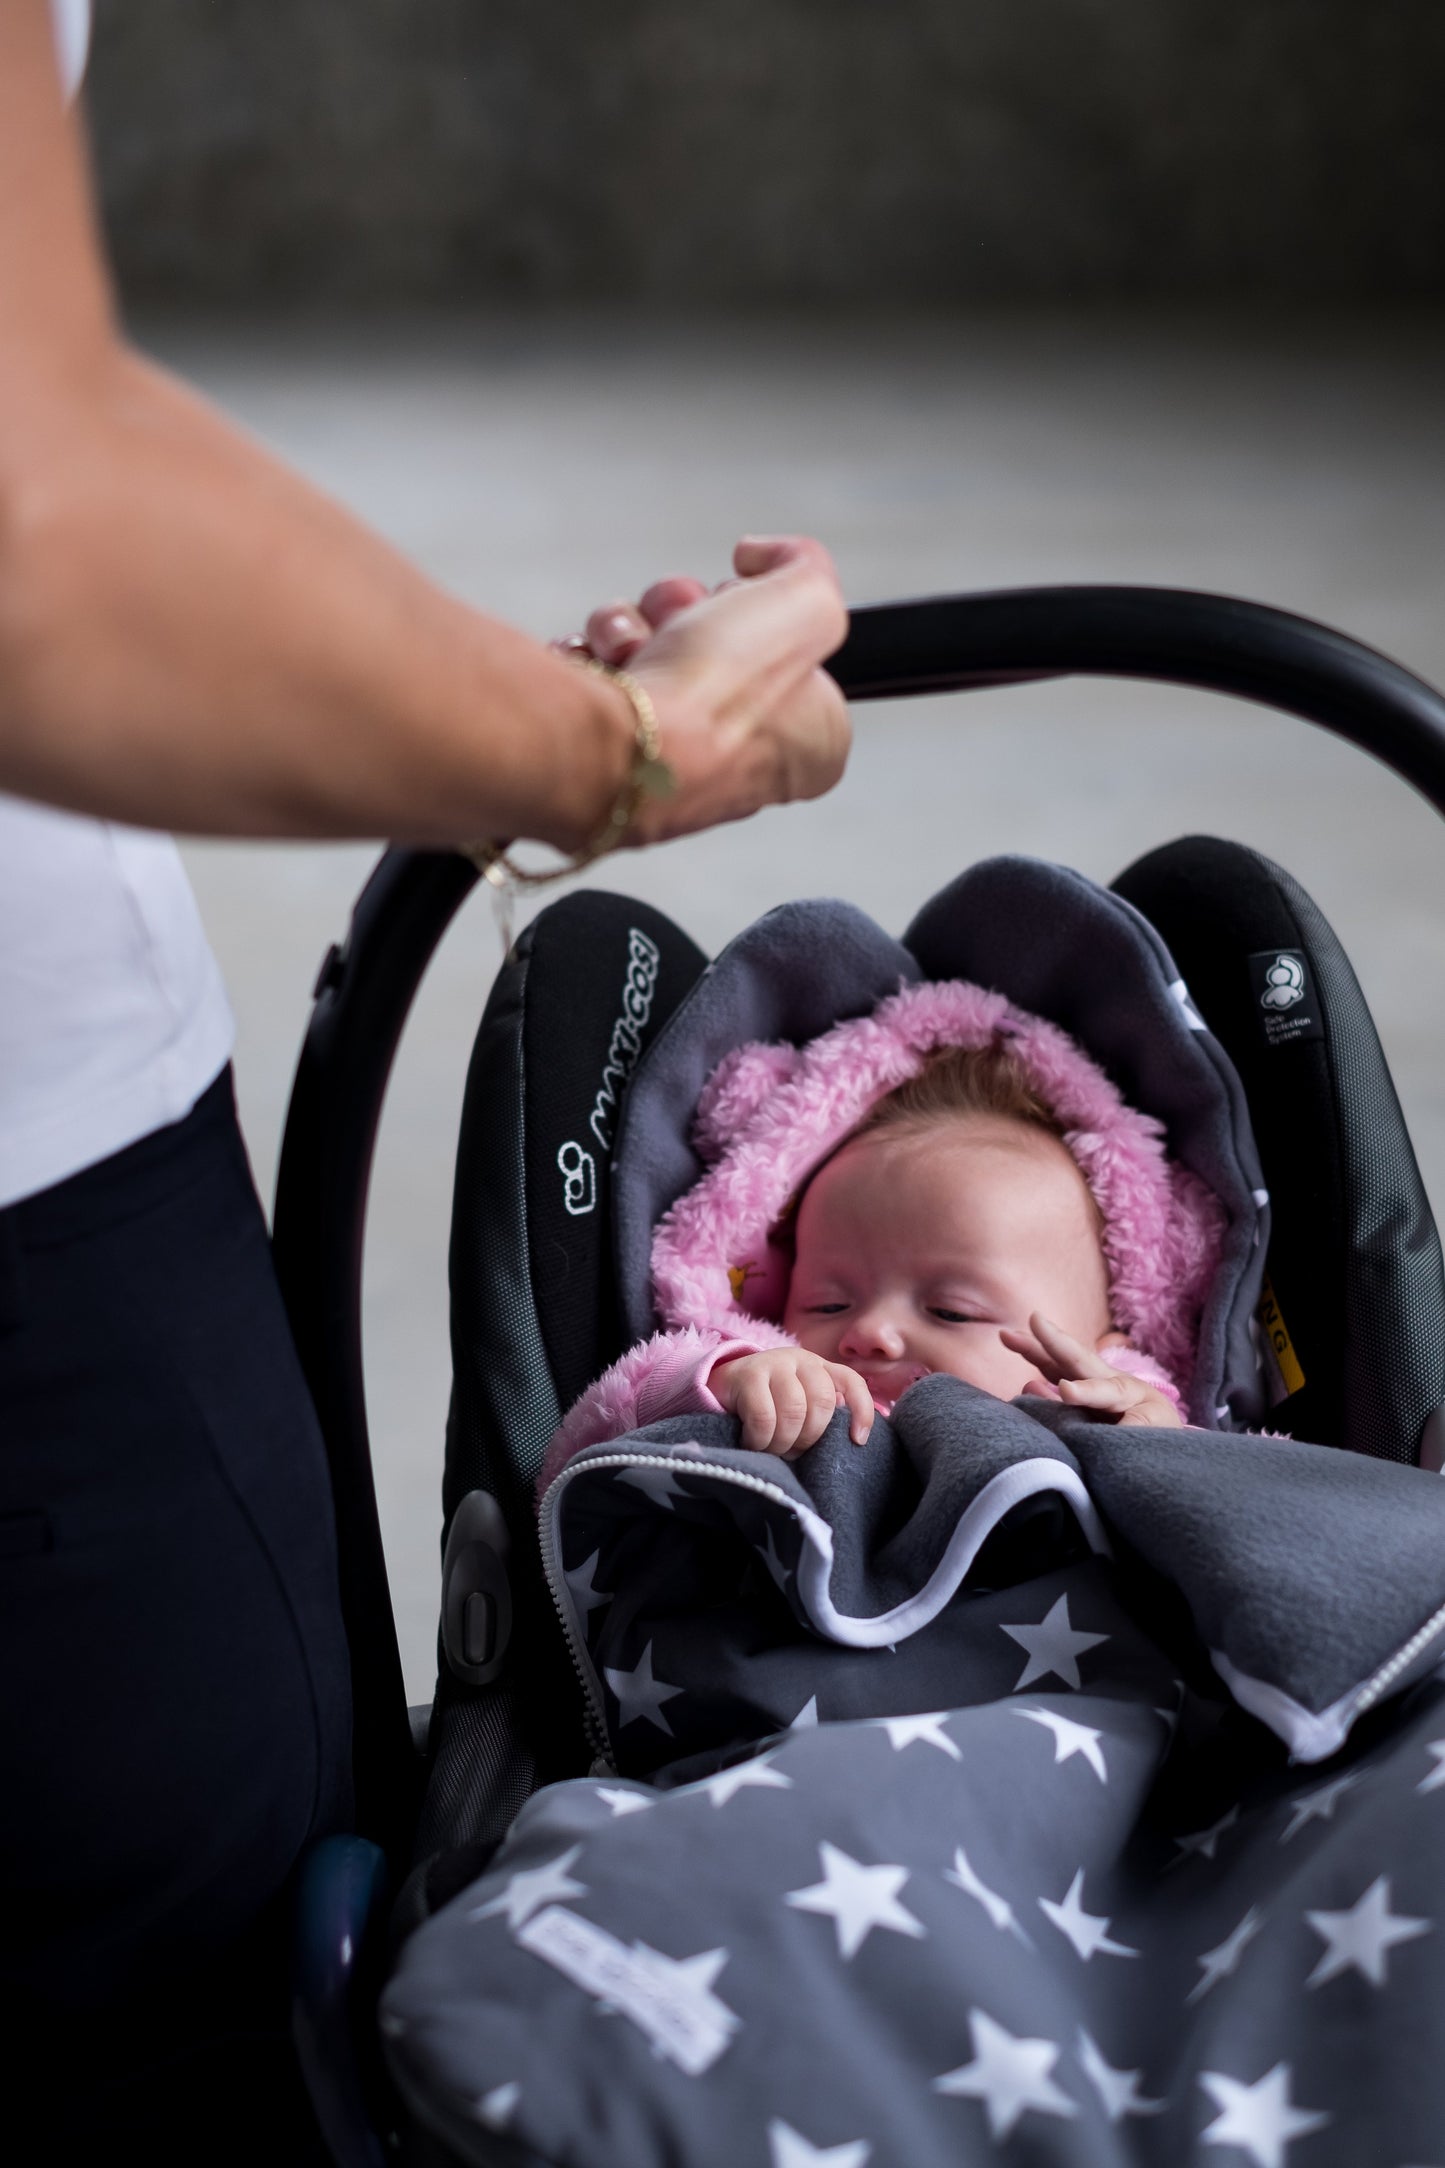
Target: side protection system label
<point>1286,1001</point>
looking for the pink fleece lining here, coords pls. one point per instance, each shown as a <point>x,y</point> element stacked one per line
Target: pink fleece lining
<point>671,1374</point>
<point>666,1375</point>
<point>770,1115</point>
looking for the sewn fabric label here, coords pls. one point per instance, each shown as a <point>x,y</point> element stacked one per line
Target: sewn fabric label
<point>1281,1361</point>
<point>670,1999</point>
<point>1285,998</point>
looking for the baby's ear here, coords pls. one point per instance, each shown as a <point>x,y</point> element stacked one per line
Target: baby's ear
<point>1111,1338</point>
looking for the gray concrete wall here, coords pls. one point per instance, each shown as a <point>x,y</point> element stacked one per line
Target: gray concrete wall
<point>771,151</point>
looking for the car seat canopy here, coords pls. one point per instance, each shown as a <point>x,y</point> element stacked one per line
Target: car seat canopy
<point>1025,936</point>
<point>771,1115</point>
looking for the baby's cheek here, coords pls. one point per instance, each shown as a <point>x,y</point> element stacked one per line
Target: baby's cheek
<point>991,1366</point>
<point>819,1335</point>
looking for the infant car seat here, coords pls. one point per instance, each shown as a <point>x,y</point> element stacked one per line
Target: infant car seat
<point>545,1273</point>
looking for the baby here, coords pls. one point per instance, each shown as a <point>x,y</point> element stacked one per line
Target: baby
<point>950,1185</point>
<point>952,1232</point>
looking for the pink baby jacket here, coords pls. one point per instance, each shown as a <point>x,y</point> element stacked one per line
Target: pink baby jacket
<point>771,1114</point>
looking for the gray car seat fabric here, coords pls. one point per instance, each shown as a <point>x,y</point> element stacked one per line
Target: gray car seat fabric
<point>1356,1280</point>
<point>792,974</point>
<point>1053,942</point>
<point>1057,943</point>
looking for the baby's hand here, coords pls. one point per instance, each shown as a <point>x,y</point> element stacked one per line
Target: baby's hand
<point>1084,1380</point>
<point>785,1399</point>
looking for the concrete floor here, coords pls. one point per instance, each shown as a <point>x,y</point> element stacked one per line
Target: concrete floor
<point>539,468</point>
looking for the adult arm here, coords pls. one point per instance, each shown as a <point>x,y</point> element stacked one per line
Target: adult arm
<point>191,637</point>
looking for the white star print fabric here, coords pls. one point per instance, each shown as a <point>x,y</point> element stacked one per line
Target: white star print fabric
<point>924,1837</point>
<point>794,1960</point>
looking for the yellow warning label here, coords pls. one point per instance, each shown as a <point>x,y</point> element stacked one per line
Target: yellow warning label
<point>1278,1341</point>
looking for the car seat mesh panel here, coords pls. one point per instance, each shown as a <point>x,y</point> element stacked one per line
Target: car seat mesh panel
<point>1354,1257</point>
<point>481,1776</point>
<point>489,1743</point>
<point>534,1309</point>
<point>504,1403</point>
<point>1394,1279</point>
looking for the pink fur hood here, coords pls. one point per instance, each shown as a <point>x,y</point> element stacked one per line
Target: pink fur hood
<point>771,1114</point>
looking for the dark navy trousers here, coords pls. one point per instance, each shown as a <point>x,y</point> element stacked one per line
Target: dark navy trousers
<point>174,1687</point>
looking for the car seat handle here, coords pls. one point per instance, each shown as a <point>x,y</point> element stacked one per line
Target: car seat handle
<point>964,643</point>
<point>366,986</point>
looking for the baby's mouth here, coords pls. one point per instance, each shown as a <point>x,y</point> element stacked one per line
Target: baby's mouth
<point>887,1387</point>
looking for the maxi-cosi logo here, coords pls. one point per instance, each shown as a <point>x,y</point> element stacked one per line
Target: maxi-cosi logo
<point>575,1163</point>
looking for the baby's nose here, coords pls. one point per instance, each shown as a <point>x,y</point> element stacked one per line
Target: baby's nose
<point>874,1332</point>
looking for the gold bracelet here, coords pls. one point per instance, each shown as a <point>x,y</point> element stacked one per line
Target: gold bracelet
<point>648,776</point>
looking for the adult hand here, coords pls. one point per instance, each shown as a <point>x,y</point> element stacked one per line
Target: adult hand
<point>192,637</point>
<point>746,715</point>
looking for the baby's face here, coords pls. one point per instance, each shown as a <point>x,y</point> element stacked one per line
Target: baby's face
<point>916,1244</point>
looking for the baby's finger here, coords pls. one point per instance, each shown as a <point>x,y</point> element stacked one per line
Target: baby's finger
<point>854,1395</point>
<point>754,1409</point>
<point>616,631</point>
<point>822,1404</point>
<point>1074,1360</point>
<point>1152,1412</point>
<point>1039,1389</point>
<point>1110,1395</point>
<point>1023,1343</point>
<point>790,1411</point>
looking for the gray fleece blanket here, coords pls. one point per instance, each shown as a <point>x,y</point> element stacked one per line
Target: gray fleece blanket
<point>1012,1787</point>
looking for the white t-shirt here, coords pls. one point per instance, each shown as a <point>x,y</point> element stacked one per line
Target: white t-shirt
<point>113,1018</point>
<point>72,40</point>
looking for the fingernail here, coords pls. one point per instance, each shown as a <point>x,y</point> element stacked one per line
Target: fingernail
<point>620,626</point>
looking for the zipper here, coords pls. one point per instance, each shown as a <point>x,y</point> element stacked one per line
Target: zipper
<point>1374,1689</point>
<point>594,1708</point>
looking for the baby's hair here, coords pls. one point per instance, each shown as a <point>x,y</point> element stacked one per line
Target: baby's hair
<point>954,1081</point>
<point>958,1080</point>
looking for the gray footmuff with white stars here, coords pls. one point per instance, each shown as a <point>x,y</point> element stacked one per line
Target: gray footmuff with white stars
<point>1012,1787</point>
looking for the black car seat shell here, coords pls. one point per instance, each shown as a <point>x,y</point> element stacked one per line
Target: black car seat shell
<point>1354,1302</point>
